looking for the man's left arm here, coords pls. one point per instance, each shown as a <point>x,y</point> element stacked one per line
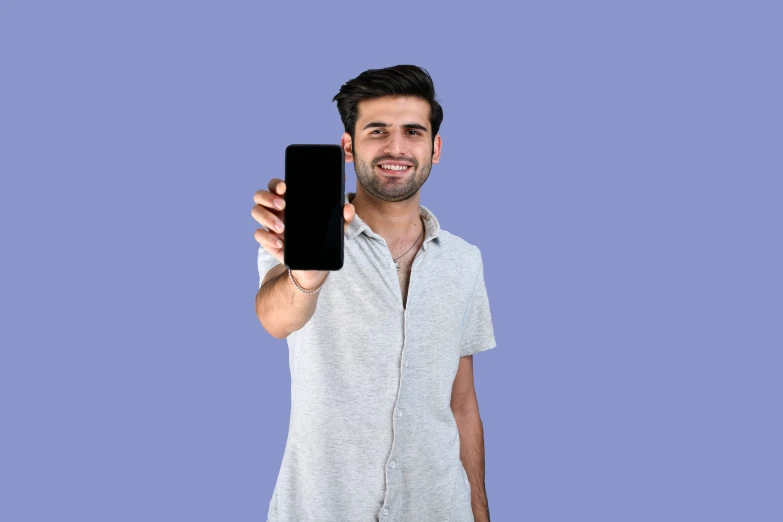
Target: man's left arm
<point>464,405</point>
<point>478,336</point>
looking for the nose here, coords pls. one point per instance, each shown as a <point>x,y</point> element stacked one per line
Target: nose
<point>395,145</point>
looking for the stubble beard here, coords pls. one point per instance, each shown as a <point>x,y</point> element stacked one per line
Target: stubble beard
<point>387,189</point>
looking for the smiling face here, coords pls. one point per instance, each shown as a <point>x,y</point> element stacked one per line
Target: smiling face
<point>393,150</point>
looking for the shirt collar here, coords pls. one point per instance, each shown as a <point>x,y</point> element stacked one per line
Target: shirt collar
<point>357,226</point>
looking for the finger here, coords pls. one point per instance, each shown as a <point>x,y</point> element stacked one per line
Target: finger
<point>269,200</point>
<point>277,186</point>
<point>349,212</point>
<point>267,218</point>
<point>268,240</point>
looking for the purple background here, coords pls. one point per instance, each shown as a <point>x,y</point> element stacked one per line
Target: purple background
<point>619,166</point>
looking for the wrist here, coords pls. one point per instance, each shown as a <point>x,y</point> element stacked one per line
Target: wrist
<point>309,279</point>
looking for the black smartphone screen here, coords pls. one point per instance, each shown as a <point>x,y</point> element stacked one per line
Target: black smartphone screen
<point>314,200</point>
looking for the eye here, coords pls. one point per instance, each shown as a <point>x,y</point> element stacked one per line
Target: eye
<point>417,132</point>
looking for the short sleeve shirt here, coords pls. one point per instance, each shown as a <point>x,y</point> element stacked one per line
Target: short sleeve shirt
<point>372,436</point>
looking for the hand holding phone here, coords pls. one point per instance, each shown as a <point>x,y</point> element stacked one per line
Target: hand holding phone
<point>267,213</point>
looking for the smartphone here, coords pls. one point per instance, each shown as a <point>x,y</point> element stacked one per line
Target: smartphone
<point>313,213</point>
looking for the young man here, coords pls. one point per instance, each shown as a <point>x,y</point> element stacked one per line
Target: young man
<point>384,417</point>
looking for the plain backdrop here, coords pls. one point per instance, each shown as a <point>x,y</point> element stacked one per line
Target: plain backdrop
<point>618,164</point>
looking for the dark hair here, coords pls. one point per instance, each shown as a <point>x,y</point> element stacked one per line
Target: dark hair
<point>399,80</point>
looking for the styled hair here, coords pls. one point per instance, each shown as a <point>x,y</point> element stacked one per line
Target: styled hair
<point>399,80</point>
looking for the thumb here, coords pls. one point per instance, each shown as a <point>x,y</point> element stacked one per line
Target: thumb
<point>348,213</point>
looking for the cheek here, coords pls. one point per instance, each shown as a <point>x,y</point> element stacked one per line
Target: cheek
<point>366,155</point>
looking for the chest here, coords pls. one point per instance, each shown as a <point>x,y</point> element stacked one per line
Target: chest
<point>404,276</point>
<point>406,265</point>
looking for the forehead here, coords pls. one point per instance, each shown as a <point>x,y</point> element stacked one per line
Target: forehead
<point>395,110</point>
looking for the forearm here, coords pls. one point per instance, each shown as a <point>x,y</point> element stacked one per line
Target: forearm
<point>471,452</point>
<point>282,308</point>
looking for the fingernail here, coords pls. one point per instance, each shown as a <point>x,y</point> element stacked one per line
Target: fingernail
<point>278,243</point>
<point>280,226</point>
<point>279,203</point>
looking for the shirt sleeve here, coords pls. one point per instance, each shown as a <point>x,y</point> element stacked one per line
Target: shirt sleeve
<point>478,333</point>
<point>266,262</point>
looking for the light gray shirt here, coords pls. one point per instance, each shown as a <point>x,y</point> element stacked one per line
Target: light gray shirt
<point>371,435</point>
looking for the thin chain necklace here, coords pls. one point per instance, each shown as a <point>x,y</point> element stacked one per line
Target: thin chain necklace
<point>396,264</point>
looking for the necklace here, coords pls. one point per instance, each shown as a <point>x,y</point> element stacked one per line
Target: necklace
<point>396,264</point>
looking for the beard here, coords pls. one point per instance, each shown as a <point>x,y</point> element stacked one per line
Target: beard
<point>387,188</point>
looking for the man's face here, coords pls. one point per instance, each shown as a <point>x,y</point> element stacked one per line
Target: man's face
<point>392,129</point>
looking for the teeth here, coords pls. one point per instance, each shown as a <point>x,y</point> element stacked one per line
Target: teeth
<point>394,167</point>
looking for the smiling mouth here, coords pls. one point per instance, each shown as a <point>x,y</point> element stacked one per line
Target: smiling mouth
<point>396,171</point>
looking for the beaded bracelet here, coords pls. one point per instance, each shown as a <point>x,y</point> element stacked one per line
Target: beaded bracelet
<point>302,289</point>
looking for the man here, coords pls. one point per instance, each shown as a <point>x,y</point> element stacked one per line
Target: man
<point>384,417</point>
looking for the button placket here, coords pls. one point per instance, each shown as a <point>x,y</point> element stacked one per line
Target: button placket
<point>392,464</point>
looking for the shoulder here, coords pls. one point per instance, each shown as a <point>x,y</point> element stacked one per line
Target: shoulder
<point>460,249</point>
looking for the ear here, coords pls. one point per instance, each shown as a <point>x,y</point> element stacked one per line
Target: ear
<point>436,149</point>
<point>347,145</point>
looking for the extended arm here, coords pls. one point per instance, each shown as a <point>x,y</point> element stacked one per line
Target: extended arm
<point>280,307</point>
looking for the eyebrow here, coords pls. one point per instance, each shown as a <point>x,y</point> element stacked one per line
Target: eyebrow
<point>404,125</point>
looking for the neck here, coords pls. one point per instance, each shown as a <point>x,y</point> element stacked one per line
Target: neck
<point>394,221</point>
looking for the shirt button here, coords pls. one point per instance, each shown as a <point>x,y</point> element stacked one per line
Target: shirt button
<point>399,413</point>
<point>391,264</point>
<point>406,364</point>
<point>385,512</point>
<point>393,464</point>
